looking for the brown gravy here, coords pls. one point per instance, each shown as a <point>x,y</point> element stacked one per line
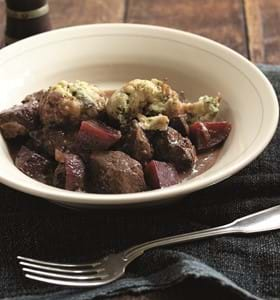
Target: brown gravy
<point>204,160</point>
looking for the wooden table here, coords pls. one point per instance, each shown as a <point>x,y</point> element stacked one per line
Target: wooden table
<point>250,27</point>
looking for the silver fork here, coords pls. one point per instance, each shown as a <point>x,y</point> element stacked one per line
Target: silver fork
<point>113,266</point>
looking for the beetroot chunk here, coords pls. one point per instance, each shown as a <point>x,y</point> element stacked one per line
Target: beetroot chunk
<point>160,174</point>
<point>34,165</point>
<point>95,136</point>
<point>206,135</point>
<point>70,174</point>
<point>74,173</point>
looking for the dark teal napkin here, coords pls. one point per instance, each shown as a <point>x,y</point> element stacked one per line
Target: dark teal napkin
<point>239,267</point>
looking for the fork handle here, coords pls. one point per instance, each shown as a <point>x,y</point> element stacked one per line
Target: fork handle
<point>138,250</point>
<point>264,220</point>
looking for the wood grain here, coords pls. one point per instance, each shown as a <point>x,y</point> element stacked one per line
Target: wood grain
<point>2,22</point>
<point>221,20</point>
<point>76,12</point>
<point>255,30</point>
<point>263,30</point>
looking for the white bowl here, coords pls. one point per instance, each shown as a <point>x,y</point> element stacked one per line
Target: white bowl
<point>111,54</point>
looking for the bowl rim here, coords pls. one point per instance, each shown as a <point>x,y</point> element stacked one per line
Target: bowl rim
<point>159,195</point>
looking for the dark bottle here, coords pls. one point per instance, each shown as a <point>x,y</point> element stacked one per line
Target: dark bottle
<point>26,18</point>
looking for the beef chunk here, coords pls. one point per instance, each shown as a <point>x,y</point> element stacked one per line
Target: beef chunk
<point>95,136</point>
<point>136,144</point>
<point>12,129</point>
<point>21,119</point>
<point>171,147</point>
<point>34,165</point>
<point>50,139</point>
<point>160,174</point>
<point>180,124</point>
<point>209,134</point>
<point>114,172</point>
<point>59,177</point>
<point>70,174</point>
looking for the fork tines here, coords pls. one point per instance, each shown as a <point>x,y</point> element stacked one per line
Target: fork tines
<point>63,274</point>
